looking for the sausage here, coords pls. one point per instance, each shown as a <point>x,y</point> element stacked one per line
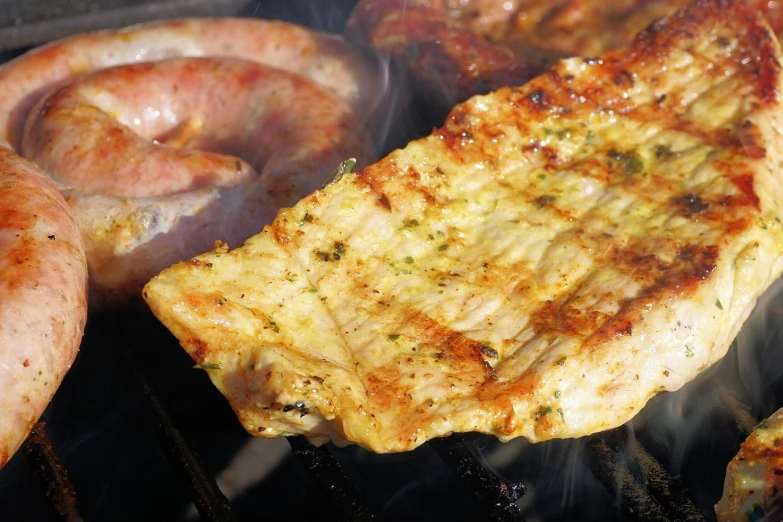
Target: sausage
<point>43,303</point>
<point>166,137</point>
<point>142,204</point>
<point>327,59</point>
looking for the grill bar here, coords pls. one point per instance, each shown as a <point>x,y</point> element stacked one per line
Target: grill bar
<point>608,467</point>
<point>46,464</point>
<point>495,495</point>
<point>210,502</point>
<point>662,486</point>
<point>330,476</point>
<point>652,493</point>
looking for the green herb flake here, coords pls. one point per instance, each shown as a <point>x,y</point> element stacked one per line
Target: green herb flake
<point>632,166</point>
<point>394,337</point>
<point>541,176</point>
<point>718,304</point>
<point>409,260</point>
<point>542,411</point>
<point>542,201</point>
<point>557,394</point>
<point>312,290</point>
<point>208,366</point>
<point>762,425</point>
<point>590,135</point>
<point>322,256</point>
<point>339,248</point>
<point>630,162</point>
<point>274,327</point>
<point>560,411</point>
<point>308,218</point>
<point>443,247</point>
<point>291,278</point>
<point>343,168</point>
<point>410,223</point>
<point>663,151</point>
<point>561,361</point>
<point>688,351</point>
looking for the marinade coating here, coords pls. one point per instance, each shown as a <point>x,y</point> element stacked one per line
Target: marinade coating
<point>540,266</point>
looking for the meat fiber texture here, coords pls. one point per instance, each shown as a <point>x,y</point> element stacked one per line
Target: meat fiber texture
<point>540,266</point>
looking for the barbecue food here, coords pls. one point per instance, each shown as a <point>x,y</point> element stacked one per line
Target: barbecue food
<point>95,137</point>
<point>539,267</point>
<point>753,489</point>
<point>43,308</point>
<point>458,48</point>
<point>440,54</point>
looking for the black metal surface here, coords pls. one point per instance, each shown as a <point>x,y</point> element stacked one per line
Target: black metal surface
<point>496,496</point>
<point>666,489</point>
<point>46,464</point>
<point>647,490</point>
<point>211,503</point>
<point>25,23</point>
<point>333,480</point>
<point>608,466</point>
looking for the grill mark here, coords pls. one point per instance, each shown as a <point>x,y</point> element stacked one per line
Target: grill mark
<point>455,355</point>
<point>695,263</point>
<point>682,279</point>
<point>744,183</point>
<point>657,279</point>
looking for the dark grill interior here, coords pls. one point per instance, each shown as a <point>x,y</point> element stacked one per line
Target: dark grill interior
<point>135,433</point>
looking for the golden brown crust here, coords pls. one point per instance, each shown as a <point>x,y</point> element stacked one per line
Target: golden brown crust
<point>456,49</point>
<point>43,284</point>
<point>539,266</point>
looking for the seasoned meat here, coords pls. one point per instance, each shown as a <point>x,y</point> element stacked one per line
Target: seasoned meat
<point>114,116</point>
<point>438,52</point>
<point>458,48</point>
<point>540,266</point>
<point>43,296</point>
<point>753,490</point>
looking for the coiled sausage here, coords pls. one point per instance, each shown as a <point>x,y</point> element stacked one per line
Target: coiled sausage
<point>165,137</point>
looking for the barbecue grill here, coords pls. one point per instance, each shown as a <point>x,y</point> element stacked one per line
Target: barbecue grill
<point>136,433</point>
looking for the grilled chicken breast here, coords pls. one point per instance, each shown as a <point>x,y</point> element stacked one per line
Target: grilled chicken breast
<point>753,489</point>
<point>540,266</point>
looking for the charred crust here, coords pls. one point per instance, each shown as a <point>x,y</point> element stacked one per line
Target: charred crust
<point>745,184</point>
<point>691,205</point>
<point>384,202</point>
<point>437,50</point>
<point>198,349</point>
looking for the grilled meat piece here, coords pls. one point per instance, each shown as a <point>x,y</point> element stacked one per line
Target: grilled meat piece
<point>753,490</point>
<point>457,48</point>
<point>43,296</point>
<point>540,266</point>
<point>441,56</point>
